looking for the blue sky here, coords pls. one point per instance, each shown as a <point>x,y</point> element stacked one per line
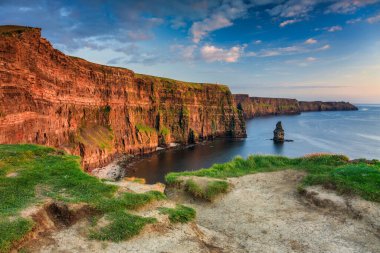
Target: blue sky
<point>306,49</point>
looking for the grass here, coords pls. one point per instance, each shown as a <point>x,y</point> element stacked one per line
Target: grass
<point>179,214</point>
<point>122,226</point>
<point>214,188</point>
<point>209,192</point>
<point>43,172</point>
<point>334,171</point>
<point>164,131</point>
<point>145,129</point>
<point>11,231</point>
<point>9,29</point>
<point>171,83</point>
<point>98,136</point>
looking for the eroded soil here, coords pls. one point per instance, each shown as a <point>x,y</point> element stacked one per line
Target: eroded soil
<point>261,213</point>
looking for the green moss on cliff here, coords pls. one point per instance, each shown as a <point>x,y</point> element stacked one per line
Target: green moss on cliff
<point>172,84</point>
<point>95,136</point>
<point>142,128</point>
<point>9,29</point>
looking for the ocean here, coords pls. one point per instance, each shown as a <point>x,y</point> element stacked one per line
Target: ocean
<point>352,133</point>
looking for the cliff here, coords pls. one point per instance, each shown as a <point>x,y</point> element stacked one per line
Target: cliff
<point>326,106</point>
<point>261,106</point>
<point>96,111</point>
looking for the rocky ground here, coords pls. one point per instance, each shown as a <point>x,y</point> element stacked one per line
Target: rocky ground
<point>261,213</point>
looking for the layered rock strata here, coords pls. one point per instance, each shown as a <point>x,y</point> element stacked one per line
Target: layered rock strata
<point>261,106</point>
<point>97,111</point>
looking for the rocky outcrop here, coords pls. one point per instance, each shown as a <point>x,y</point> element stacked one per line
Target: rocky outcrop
<point>96,111</point>
<point>278,133</point>
<point>260,106</point>
<point>326,106</point>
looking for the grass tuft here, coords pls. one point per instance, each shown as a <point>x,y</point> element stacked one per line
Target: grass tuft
<point>208,192</point>
<point>180,213</point>
<point>122,226</point>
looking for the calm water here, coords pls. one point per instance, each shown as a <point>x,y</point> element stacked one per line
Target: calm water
<point>353,133</point>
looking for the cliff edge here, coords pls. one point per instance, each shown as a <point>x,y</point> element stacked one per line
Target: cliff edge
<point>262,106</point>
<point>97,111</point>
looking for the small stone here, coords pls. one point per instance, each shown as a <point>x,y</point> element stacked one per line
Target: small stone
<point>278,133</point>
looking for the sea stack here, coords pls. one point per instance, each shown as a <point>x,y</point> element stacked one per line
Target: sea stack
<point>278,133</point>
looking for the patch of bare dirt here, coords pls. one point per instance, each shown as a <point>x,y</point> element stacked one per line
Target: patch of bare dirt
<point>261,213</point>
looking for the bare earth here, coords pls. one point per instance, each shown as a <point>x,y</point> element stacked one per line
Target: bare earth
<point>262,213</point>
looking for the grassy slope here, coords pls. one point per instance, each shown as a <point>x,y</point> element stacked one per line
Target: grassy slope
<point>30,174</point>
<point>334,171</point>
<point>180,213</point>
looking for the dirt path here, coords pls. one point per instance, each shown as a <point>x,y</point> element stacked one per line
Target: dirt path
<point>262,213</point>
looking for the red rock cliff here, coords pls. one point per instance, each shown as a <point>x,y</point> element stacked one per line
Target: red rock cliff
<point>97,111</point>
<point>260,106</point>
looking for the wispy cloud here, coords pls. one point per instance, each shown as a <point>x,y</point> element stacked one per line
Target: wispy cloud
<point>335,28</point>
<point>374,19</point>
<point>211,53</point>
<point>311,41</point>
<point>289,22</point>
<point>349,6</point>
<point>221,18</point>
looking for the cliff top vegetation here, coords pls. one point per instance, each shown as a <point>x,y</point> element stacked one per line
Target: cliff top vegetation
<point>31,175</point>
<point>332,171</point>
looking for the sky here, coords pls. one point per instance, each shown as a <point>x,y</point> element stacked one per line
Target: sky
<point>304,49</point>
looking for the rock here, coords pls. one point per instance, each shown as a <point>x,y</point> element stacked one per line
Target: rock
<point>261,106</point>
<point>97,111</point>
<point>278,133</point>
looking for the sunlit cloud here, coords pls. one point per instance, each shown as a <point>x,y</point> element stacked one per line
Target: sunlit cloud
<point>211,53</point>
<point>289,22</point>
<point>311,41</point>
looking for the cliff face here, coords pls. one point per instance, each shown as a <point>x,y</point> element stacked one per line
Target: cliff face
<point>326,106</point>
<point>97,111</point>
<point>259,106</point>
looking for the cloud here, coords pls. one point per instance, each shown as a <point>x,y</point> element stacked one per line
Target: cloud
<point>374,19</point>
<point>282,51</point>
<point>293,8</point>
<point>349,6</point>
<point>310,59</point>
<point>310,41</point>
<point>257,42</point>
<point>353,21</point>
<point>289,22</point>
<point>221,18</point>
<point>325,47</point>
<point>211,53</point>
<point>334,28</point>
<point>301,9</point>
<point>184,52</point>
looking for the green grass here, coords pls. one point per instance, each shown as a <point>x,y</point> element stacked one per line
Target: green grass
<point>122,226</point>
<point>9,29</point>
<point>334,171</point>
<point>179,214</point>
<point>145,129</point>
<point>11,231</point>
<point>214,188</point>
<point>209,192</point>
<point>43,172</point>
<point>164,131</point>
